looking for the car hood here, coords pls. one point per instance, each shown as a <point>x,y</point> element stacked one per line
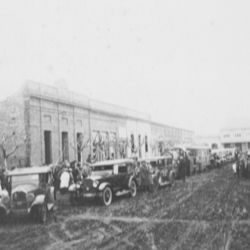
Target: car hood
<point>26,188</point>
<point>95,177</point>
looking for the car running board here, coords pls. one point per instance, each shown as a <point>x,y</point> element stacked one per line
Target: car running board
<point>164,183</point>
<point>120,193</point>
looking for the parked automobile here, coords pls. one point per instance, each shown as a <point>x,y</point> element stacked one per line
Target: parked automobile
<point>161,170</point>
<point>30,191</point>
<point>107,179</point>
<point>199,156</point>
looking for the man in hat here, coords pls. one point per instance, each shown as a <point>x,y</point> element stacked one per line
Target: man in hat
<point>182,166</point>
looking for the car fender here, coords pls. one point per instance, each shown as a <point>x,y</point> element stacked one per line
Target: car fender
<point>103,185</point>
<point>73,187</point>
<point>39,200</point>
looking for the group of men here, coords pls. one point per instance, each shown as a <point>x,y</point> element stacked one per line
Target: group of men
<point>242,164</point>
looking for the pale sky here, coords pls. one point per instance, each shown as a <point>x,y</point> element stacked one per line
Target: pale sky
<point>187,63</point>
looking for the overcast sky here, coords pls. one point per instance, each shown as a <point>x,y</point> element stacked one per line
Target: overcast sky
<point>187,63</point>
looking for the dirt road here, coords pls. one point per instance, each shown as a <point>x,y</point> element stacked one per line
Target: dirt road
<point>209,211</point>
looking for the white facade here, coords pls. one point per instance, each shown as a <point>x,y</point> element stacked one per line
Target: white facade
<point>236,137</point>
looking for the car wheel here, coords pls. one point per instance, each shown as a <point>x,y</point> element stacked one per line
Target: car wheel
<point>33,214</point>
<point>133,188</point>
<point>155,183</point>
<point>107,196</point>
<point>171,178</point>
<point>72,199</point>
<point>43,213</point>
<point>3,216</point>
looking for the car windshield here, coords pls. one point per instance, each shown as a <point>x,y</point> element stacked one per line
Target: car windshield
<point>102,170</point>
<point>192,152</point>
<point>25,179</point>
<point>153,164</point>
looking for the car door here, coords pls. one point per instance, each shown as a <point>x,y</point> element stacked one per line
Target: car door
<point>115,178</point>
<point>123,176</point>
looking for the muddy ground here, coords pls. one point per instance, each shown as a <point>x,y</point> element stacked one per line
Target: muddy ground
<point>209,211</point>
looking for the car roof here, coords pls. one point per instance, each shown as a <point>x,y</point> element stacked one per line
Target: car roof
<point>155,158</point>
<point>190,146</point>
<point>112,162</point>
<point>29,171</point>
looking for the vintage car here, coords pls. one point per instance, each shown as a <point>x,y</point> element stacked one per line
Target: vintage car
<point>161,170</point>
<point>107,179</point>
<point>197,155</point>
<point>30,191</point>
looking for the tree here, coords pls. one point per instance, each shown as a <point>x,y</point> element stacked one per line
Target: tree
<point>124,144</point>
<point>98,147</point>
<point>9,145</point>
<point>122,147</point>
<point>82,142</point>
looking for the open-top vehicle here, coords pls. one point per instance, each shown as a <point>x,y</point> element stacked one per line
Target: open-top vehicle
<point>107,179</point>
<point>161,170</point>
<point>29,190</point>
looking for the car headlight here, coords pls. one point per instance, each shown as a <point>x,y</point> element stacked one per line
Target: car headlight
<point>95,183</point>
<point>30,197</point>
<point>72,187</point>
<point>5,199</point>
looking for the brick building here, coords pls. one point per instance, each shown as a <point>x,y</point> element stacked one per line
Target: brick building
<point>51,123</point>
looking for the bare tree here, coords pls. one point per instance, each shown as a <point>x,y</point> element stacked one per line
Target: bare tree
<point>9,145</point>
<point>124,144</point>
<point>122,147</point>
<point>81,143</point>
<point>153,147</point>
<point>98,147</point>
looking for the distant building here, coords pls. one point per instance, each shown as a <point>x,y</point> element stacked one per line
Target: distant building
<point>212,141</point>
<point>236,137</point>
<point>49,123</point>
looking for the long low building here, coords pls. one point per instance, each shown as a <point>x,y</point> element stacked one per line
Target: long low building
<point>42,124</point>
<point>238,137</point>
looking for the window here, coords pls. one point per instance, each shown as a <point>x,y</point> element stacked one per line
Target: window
<point>122,169</point>
<point>112,145</point>
<point>132,139</point>
<point>102,168</point>
<point>146,143</point>
<point>169,161</point>
<point>48,147</point>
<point>65,146</point>
<point>79,141</point>
<point>139,145</point>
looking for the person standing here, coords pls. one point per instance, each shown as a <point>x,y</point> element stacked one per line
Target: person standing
<point>187,165</point>
<point>237,166</point>
<point>182,167</point>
